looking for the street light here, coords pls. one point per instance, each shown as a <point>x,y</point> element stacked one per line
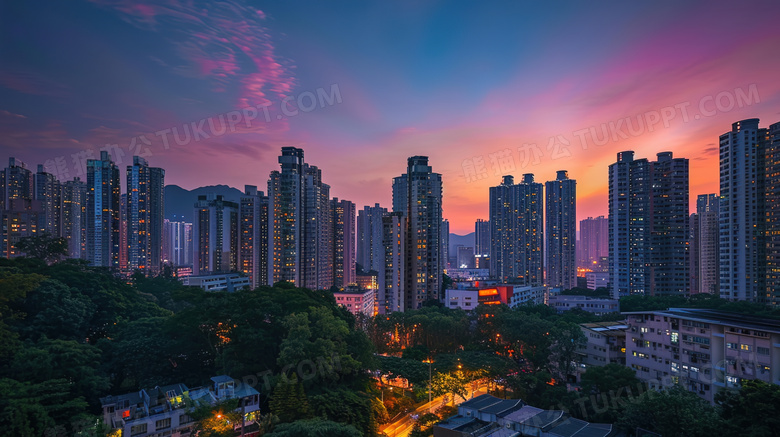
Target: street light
<point>430,381</point>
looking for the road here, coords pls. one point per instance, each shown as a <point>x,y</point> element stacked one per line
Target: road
<point>402,426</point>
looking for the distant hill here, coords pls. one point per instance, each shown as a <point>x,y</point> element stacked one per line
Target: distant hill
<point>179,202</point>
<point>462,240</point>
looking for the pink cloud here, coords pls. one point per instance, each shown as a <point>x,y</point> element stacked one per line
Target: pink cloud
<point>224,43</point>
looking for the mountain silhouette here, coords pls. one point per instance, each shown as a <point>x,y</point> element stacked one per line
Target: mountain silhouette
<point>179,203</point>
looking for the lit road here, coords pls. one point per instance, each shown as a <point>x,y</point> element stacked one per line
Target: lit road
<point>402,426</point>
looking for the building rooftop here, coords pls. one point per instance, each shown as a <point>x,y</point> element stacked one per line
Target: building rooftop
<point>523,413</point>
<point>580,297</point>
<point>481,401</point>
<point>720,317</point>
<point>504,406</point>
<point>543,419</point>
<point>615,329</point>
<point>221,379</point>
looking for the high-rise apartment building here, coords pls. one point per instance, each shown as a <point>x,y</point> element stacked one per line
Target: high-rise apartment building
<point>668,223</point>
<point>772,189</point>
<point>285,217</point>
<point>300,223</point>
<point>16,182</point>
<point>465,257</point>
<point>253,236</point>
<point>215,235</point>
<point>561,232</point>
<point>482,238</point>
<point>648,225</point>
<point>370,251</point>
<point>49,193</point>
<point>629,195</point>
<point>444,238</point>
<point>705,263</point>
<point>343,242</point>
<point>418,195</point>
<point>145,215</point>
<point>103,212</point>
<point>392,294</point>
<point>517,231</point>
<point>594,242</point>
<point>124,243</point>
<point>74,204</point>
<point>317,249</point>
<point>177,243</point>
<point>742,212</point>
<point>693,252</point>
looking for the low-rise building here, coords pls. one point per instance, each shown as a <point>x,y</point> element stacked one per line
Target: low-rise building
<point>703,350</point>
<point>357,301</point>
<point>488,416</point>
<point>163,411</point>
<point>465,299</point>
<point>468,274</point>
<point>606,344</point>
<point>597,279</point>
<point>595,305</point>
<point>218,282</point>
<point>523,295</point>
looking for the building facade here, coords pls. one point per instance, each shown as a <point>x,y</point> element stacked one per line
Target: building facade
<point>705,243</point>
<point>48,192</point>
<point>418,195</point>
<point>74,204</point>
<point>343,242</point>
<point>705,351</point>
<point>561,232</point>
<point>772,190</point>
<point>648,225</point>
<point>300,224</point>
<point>595,305</point>
<point>163,411</point>
<point>145,217</point>
<point>742,212</point>
<point>516,230</point>
<point>482,238</point>
<point>215,235</point>
<point>606,345</point>
<point>253,236</point>
<point>177,243</point>
<point>357,302</point>
<point>370,251</point>
<point>594,242</point>
<point>392,289</point>
<point>103,212</point>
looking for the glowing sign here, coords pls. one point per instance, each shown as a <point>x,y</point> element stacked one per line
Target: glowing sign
<point>488,292</point>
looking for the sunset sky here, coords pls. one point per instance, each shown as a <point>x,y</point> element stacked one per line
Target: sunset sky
<point>460,82</point>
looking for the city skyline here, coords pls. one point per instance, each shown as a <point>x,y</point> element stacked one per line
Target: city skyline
<point>626,72</point>
<point>397,219</point>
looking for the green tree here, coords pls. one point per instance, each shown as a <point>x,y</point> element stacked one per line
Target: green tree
<point>216,420</point>
<point>752,410</point>
<point>673,412</point>
<point>289,402</point>
<point>57,311</point>
<point>568,339</point>
<point>607,390</point>
<point>48,359</point>
<point>15,286</point>
<point>315,428</point>
<point>27,409</point>
<point>44,247</point>
<point>348,407</point>
<point>450,382</point>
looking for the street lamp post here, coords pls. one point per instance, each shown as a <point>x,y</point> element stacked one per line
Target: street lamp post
<point>430,381</point>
